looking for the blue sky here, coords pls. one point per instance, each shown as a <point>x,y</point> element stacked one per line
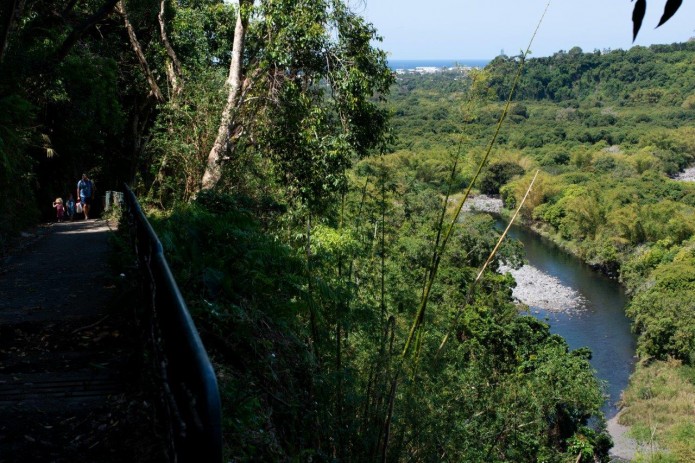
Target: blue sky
<point>440,29</point>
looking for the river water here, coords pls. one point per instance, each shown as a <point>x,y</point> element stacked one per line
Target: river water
<point>596,321</point>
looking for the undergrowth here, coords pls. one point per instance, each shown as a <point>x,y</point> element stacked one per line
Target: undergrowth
<point>660,408</point>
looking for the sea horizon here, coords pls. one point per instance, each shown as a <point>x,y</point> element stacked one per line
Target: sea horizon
<point>437,63</point>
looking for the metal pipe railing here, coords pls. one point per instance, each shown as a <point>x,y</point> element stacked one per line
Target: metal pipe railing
<point>188,381</point>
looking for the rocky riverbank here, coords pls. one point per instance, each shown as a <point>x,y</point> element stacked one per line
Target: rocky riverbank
<point>544,292</point>
<point>688,175</point>
<point>533,287</point>
<point>483,203</point>
<point>538,289</point>
<point>541,291</point>
<point>625,447</point>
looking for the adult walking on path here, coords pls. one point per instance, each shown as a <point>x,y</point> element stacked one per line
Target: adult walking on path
<point>70,358</point>
<point>85,191</point>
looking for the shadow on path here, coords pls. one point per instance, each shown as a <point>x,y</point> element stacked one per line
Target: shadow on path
<point>71,377</point>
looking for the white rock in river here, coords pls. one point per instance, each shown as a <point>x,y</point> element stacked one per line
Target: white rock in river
<point>688,175</point>
<point>483,203</point>
<point>538,289</point>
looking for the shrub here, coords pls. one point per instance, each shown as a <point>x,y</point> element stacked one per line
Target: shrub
<point>497,175</point>
<point>664,314</point>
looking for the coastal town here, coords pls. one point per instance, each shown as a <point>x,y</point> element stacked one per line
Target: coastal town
<point>435,69</point>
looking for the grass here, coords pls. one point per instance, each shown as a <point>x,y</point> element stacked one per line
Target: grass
<point>660,409</point>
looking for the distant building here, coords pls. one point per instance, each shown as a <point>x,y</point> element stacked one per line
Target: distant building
<point>434,70</point>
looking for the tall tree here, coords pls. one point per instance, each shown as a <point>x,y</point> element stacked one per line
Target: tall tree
<point>212,170</point>
<point>312,81</point>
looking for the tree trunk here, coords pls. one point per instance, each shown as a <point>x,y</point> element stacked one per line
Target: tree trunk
<point>7,22</point>
<point>173,68</point>
<point>312,313</point>
<point>139,53</point>
<point>213,170</point>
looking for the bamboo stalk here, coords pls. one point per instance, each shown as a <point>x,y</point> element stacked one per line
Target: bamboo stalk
<point>174,68</point>
<point>310,291</point>
<point>487,262</point>
<point>389,416</point>
<point>438,251</point>
<point>383,245</point>
<point>435,264</point>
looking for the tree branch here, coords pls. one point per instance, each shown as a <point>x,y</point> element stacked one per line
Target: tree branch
<point>139,53</point>
<point>68,8</point>
<point>79,31</point>
<point>174,70</point>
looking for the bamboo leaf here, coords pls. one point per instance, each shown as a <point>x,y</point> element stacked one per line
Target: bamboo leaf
<point>669,10</point>
<point>637,17</point>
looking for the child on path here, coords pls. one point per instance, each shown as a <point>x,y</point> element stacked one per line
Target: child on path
<point>60,210</point>
<point>71,207</point>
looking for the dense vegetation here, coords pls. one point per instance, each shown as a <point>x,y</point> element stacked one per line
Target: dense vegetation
<point>608,130</point>
<point>609,191</point>
<point>320,265</point>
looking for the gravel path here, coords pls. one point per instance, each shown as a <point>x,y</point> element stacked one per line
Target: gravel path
<point>70,355</point>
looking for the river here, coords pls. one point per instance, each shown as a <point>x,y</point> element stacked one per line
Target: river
<point>596,318</point>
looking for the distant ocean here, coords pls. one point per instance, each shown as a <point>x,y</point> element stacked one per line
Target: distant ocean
<point>438,63</point>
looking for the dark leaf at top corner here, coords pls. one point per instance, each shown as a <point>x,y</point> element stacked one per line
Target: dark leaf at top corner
<point>638,16</point>
<point>669,10</point>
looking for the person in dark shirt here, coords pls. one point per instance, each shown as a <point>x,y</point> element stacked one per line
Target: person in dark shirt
<point>70,207</point>
<point>85,191</point>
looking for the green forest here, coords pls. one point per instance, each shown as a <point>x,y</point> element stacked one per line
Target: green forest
<point>307,198</point>
<point>608,132</point>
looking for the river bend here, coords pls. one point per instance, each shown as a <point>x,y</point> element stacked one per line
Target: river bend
<point>595,316</point>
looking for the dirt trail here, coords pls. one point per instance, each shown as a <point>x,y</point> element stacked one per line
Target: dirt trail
<point>70,357</point>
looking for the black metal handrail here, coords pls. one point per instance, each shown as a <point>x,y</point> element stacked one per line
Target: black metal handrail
<point>188,380</point>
